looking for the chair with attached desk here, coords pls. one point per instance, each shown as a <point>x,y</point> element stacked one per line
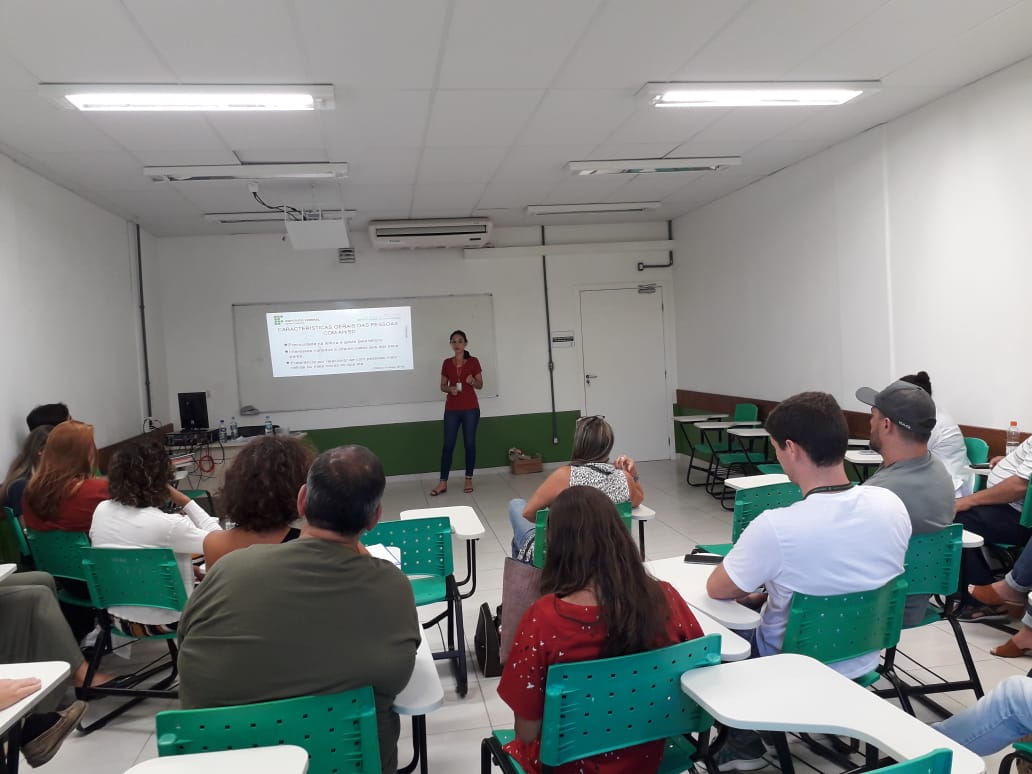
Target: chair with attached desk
<point>338,730</point>
<point>426,556</point>
<point>977,454</point>
<point>1006,554</point>
<point>750,503</point>
<point>743,413</point>
<point>933,567</point>
<point>541,530</point>
<point>936,762</point>
<point>60,554</point>
<point>144,577</point>
<point>683,421</point>
<point>593,707</point>
<point>1022,751</point>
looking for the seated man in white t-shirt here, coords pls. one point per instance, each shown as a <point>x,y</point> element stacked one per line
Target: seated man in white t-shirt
<point>838,539</point>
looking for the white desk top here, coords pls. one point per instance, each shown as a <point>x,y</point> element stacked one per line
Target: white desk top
<point>751,482</point>
<point>7,569</point>
<point>279,759</point>
<point>971,540</point>
<point>236,443</point>
<point>732,647</point>
<point>693,418</point>
<point>464,520</point>
<point>789,692</point>
<point>642,513</point>
<point>748,432</point>
<point>714,425</point>
<point>690,582</point>
<point>858,442</point>
<point>50,673</point>
<point>863,457</point>
<point>423,693</point>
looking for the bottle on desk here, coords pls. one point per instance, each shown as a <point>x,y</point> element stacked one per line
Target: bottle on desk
<point>1013,437</point>
<point>268,425</point>
<point>222,431</point>
<point>234,429</point>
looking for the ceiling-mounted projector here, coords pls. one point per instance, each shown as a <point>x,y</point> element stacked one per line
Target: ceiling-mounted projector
<point>316,230</point>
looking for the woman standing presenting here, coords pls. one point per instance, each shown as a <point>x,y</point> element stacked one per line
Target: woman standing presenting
<point>461,377</point>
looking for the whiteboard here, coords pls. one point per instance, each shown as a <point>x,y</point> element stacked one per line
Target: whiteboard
<point>433,319</point>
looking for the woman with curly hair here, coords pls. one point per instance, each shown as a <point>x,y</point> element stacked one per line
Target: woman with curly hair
<point>139,478</point>
<point>63,493</point>
<point>260,495</point>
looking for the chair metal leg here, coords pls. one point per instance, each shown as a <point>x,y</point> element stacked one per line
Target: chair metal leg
<point>784,755</point>
<point>9,761</point>
<point>418,747</point>
<point>471,568</point>
<point>641,539</point>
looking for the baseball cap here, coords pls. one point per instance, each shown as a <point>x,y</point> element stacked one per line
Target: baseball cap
<point>907,405</point>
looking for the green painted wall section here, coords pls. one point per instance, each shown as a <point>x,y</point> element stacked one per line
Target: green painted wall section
<point>415,447</point>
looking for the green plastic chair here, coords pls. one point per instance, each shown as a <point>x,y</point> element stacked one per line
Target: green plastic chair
<point>770,469</point>
<point>426,552</point>
<point>750,503</point>
<point>60,554</point>
<point>1022,751</point>
<point>140,577</point>
<point>694,459</point>
<point>338,730</point>
<point>592,707</point>
<point>13,546</point>
<point>936,762</point>
<point>541,530</point>
<point>977,454</point>
<point>721,456</point>
<point>933,567</point>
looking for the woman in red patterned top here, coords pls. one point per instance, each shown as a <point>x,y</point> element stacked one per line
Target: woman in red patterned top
<point>461,377</point>
<point>598,603</point>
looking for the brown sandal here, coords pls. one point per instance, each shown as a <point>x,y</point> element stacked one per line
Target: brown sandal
<point>468,486</point>
<point>1010,649</point>
<point>987,595</point>
<point>441,488</point>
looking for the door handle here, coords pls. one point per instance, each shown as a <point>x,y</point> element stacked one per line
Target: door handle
<point>589,377</point>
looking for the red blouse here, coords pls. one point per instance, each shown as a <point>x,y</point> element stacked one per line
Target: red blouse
<point>467,398</point>
<point>554,631</point>
<point>74,512</point>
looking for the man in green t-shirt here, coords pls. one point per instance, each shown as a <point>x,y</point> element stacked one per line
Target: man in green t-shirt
<point>313,616</point>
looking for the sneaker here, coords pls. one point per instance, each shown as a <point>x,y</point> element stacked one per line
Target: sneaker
<point>742,751</point>
<point>43,747</point>
<point>977,613</point>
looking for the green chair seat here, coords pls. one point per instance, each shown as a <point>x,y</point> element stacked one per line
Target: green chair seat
<point>770,468</point>
<point>936,762</point>
<point>429,590</point>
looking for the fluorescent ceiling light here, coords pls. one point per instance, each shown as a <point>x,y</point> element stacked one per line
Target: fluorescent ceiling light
<point>155,97</point>
<point>757,93</point>
<point>209,172</point>
<point>643,166</point>
<point>580,209</point>
<point>273,216</point>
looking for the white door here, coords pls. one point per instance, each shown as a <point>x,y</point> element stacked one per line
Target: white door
<point>625,368</point>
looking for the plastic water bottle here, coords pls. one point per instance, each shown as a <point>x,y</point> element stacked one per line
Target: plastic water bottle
<point>268,425</point>
<point>222,431</point>
<point>1013,437</point>
<point>233,428</point>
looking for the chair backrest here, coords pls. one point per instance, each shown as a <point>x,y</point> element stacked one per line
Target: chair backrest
<point>750,503</point>
<point>936,762</point>
<point>13,547</point>
<point>843,626</point>
<point>592,707</point>
<point>140,577</point>
<point>541,530</point>
<point>426,544</point>
<point>933,561</point>
<point>1026,510</point>
<point>977,450</point>
<point>338,730</point>
<point>58,552</point>
<point>745,412</point>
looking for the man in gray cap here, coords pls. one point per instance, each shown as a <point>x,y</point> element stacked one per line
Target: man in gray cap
<point>902,418</point>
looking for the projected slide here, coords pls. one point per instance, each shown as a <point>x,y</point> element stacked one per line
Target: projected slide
<point>340,341</point>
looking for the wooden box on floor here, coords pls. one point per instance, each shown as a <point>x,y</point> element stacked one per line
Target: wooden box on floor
<point>532,465</point>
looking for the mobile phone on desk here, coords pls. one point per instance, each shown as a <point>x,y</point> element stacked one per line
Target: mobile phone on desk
<point>703,558</point>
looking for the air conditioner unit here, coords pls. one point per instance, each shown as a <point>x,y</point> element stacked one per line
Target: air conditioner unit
<point>446,232</point>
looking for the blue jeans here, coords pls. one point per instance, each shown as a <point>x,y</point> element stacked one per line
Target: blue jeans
<point>1000,717</point>
<point>520,526</point>
<point>468,419</point>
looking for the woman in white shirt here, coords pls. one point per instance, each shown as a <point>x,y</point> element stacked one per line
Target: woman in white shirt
<point>139,480</point>
<point>946,442</point>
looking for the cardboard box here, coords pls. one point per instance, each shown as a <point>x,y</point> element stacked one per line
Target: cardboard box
<point>533,465</point>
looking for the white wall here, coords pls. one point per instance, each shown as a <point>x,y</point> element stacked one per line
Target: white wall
<point>201,277</point>
<point>69,312</point>
<point>905,248</point>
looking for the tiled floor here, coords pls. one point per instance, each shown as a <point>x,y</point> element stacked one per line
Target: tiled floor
<point>685,516</point>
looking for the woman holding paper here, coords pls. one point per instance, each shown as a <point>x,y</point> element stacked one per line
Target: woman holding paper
<point>461,377</point>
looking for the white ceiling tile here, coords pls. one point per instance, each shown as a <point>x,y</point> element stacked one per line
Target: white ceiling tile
<point>282,155</point>
<point>581,190</point>
<point>496,45</point>
<point>31,123</point>
<point>230,41</point>
<point>394,198</point>
<point>295,129</point>
<point>540,162</point>
<point>897,33</point>
<point>706,189</point>
<point>158,131</point>
<point>372,44</point>
<point>503,217</point>
<point>228,196</point>
<point>646,40</point>
<point>479,117</point>
<point>659,125</point>
<point>98,171</point>
<point>771,36</point>
<point>742,128</point>
<point>514,193</point>
<point>13,75</point>
<point>631,150</point>
<point>362,217</point>
<point>70,41</point>
<point>578,115</point>
<point>154,204</point>
<point>384,165</point>
<point>164,158</point>
<point>447,197</point>
<point>437,212</point>
<point>654,187</point>
<point>191,226</point>
<point>460,165</point>
<point>365,118</point>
